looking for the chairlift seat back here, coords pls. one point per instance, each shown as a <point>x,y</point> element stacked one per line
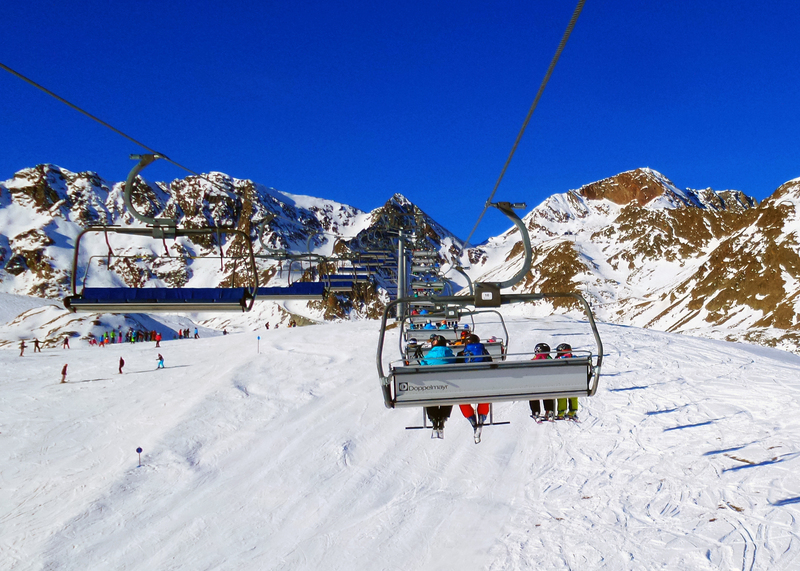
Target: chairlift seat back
<point>297,290</point>
<point>139,300</point>
<point>456,383</point>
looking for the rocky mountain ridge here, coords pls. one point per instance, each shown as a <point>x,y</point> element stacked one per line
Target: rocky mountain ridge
<point>641,250</point>
<point>43,209</point>
<point>712,263</point>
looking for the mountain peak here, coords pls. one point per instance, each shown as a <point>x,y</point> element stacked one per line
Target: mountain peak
<point>640,186</point>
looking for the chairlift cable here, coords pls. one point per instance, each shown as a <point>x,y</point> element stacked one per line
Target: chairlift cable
<point>547,75</point>
<point>104,124</point>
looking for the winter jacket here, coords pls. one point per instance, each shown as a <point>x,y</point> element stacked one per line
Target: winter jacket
<point>438,356</point>
<point>475,353</point>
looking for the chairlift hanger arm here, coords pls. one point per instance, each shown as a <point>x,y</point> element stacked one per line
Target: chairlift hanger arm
<point>461,271</point>
<point>507,208</point>
<point>161,226</point>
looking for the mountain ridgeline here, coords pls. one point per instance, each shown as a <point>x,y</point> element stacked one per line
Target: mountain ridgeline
<point>642,251</point>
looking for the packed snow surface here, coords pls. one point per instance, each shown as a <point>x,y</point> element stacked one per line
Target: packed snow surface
<point>278,453</point>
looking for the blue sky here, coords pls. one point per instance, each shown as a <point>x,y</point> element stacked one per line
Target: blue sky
<point>354,101</point>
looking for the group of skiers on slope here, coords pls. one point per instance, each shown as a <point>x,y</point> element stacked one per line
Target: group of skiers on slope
<point>37,348</point>
<point>159,365</point>
<point>112,337</point>
<point>292,323</point>
<point>475,352</point>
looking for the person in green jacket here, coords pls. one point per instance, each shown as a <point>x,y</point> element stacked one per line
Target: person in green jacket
<point>564,351</point>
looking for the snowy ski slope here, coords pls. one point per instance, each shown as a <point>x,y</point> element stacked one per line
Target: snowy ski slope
<point>287,460</point>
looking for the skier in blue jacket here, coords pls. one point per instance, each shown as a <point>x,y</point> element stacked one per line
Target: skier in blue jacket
<point>440,354</point>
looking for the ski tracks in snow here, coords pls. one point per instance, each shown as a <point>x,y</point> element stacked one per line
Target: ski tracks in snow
<point>612,479</point>
<point>287,459</point>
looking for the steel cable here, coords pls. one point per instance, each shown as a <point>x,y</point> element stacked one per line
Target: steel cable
<point>104,124</point>
<point>567,32</point>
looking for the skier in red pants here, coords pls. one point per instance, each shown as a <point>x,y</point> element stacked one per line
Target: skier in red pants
<point>475,352</point>
<point>476,421</point>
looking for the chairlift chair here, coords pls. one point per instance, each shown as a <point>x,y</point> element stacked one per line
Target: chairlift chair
<point>408,384</point>
<point>155,299</point>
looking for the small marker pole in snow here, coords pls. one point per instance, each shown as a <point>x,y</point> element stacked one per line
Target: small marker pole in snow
<point>139,451</point>
<point>258,345</point>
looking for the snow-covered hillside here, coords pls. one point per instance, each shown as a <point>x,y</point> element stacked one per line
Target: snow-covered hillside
<point>644,252</point>
<point>43,210</point>
<point>703,262</point>
<point>279,454</point>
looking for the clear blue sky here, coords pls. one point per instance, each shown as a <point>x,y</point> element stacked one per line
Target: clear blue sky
<point>354,101</point>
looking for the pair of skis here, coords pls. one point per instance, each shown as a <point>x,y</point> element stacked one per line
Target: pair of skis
<point>550,417</point>
<point>438,433</point>
<point>477,427</point>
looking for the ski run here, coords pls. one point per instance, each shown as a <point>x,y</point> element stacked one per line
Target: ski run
<point>278,454</point>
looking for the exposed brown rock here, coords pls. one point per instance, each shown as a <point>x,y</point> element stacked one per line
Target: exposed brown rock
<point>633,187</point>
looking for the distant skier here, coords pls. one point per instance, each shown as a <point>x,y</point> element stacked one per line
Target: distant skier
<point>267,325</point>
<point>196,334</point>
<point>158,340</point>
<point>37,348</point>
<point>160,362</point>
<point>64,374</point>
<point>66,342</point>
<point>22,348</point>
<point>121,364</point>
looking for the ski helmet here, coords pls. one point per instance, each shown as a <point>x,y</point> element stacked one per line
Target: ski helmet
<point>564,348</point>
<point>541,348</point>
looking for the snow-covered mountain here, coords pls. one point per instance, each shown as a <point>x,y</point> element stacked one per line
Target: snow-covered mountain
<point>648,254</point>
<point>643,251</point>
<point>43,209</point>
